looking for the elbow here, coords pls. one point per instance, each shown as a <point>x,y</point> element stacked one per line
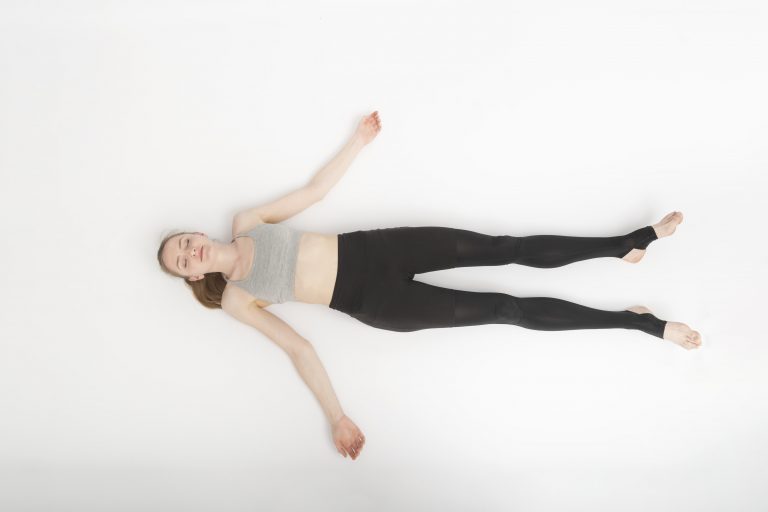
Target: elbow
<point>318,191</point>
<point>300,349</point>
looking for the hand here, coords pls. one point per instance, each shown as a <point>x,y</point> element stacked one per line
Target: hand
<point>369,127</point>
<point>347,437</point>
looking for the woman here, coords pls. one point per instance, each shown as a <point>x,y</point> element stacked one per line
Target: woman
<point>369,275</point>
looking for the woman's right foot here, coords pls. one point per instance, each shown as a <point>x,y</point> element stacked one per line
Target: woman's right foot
<point>675,332</point>
<point>664,227</point>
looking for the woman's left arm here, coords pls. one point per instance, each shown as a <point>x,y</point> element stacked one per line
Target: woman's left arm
<point>331,173</point>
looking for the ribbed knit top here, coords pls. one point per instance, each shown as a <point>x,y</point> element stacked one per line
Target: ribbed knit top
<point>273,271</point>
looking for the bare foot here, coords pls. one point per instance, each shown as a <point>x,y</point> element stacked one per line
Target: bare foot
<point>668,224</point>
<point>675,332</point>
<point>664,227</point>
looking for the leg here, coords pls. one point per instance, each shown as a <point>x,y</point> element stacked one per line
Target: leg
<point>413,305</point>
<point>419,249</point>
<point>546,251</point>
<point>405,305</point>
<point>547,314</point>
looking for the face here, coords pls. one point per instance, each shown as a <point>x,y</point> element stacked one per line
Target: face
<point>183,255</point>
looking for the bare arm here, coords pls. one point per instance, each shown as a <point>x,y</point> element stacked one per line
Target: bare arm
<point>331,173</point>
<point>346,435</point>
<point>314,375</point>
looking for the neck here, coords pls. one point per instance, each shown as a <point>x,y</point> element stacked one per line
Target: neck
<point>228,259</point>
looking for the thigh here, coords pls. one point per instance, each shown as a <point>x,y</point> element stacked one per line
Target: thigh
<point>406,251</point>
<point>406,305</point>
<point>409,250</point>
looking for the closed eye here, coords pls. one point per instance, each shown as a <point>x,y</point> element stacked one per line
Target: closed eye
<point>185,259</point>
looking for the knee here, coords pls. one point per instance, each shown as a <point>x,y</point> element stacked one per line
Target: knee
<point>506,249</point>
<point>508,309</point>
<point>507,242</point>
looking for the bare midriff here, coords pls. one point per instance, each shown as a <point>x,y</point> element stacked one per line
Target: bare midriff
<point>316,265</point>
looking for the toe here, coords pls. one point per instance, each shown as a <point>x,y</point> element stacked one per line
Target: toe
<point>692,340</point>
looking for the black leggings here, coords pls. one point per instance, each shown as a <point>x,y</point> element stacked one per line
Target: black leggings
<point>375,284</point>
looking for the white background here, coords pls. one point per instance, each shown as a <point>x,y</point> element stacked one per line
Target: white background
<point>122,121</point>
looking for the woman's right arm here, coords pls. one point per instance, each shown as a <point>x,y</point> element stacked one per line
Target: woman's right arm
<point>327,177</point>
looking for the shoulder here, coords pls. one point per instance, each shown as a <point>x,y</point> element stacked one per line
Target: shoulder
<point>245,311</point>
<point>235,298</point>
<point>243,223</point>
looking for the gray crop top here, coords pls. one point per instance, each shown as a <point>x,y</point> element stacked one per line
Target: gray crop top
<point>276,248</point>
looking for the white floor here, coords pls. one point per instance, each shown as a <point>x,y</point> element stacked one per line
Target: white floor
<point>122,121</point>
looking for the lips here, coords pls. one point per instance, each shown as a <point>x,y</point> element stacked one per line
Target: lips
<point>201,253</point>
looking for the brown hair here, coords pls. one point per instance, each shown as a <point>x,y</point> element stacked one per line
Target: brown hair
<point>208,290</point>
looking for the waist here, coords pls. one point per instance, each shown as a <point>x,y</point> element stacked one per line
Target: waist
<point>350,274</point>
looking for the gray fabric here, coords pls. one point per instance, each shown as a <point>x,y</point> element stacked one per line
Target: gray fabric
<point>272,274</point>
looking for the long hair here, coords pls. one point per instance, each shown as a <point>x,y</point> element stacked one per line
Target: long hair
<point>208,290</point>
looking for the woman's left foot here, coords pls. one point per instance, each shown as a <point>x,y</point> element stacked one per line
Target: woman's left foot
<point>664,227</point>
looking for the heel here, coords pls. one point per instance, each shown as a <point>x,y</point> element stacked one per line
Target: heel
<point>639,239</point>
<point>646,235</point>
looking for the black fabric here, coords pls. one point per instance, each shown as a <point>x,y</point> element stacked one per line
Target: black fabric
<point>375,279</point>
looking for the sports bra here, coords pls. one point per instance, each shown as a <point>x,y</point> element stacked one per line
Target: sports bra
<point>272,273</point>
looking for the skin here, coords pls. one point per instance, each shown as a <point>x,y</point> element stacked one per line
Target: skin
<point>676,332</point>
<point>347,437</point>
<point>227,257</point>
<point>216,256</point>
